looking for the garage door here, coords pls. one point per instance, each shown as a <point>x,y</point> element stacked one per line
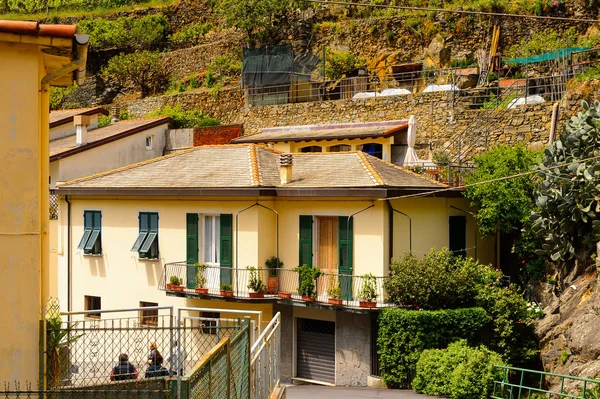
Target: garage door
<point>315,350</point>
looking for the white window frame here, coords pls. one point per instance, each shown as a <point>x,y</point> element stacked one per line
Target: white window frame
<point>151,145</point>
<point>214,220</point>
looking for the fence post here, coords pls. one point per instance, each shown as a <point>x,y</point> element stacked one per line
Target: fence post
<point>228,369</point>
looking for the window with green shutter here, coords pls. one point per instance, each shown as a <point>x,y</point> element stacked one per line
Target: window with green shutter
<point>305,256</point>
<point>345,266</point>
<point>226,247</point>
<point>91,241</point>
<point>146,244</point>
<point>191,248</point>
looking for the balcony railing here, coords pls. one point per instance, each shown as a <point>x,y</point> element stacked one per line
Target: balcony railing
<point>287,288</point>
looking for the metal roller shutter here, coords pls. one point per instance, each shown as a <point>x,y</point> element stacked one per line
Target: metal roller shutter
<point>315,349</point>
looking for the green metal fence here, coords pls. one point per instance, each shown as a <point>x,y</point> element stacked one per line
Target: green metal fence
<point>517,383</point>
<point>224,372</point>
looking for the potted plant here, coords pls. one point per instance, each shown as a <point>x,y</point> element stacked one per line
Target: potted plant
<point>368,291</point>
<point>334,292</point>
<point>284,294</point>
<point>226,290</point>
<point>273,263</point>
<point>175,284</point>
<point>256,284</point>
<point>201,278</point>
<point>308,276</point>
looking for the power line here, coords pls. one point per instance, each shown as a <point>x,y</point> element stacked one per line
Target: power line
<point>494,14</point>
<point>428,193</point>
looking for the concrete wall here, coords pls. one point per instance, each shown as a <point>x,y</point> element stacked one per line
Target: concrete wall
<point>126,151</point>
<point>179,139</point>
<point>287,341</point>
<point>352,349</point>
<point>24,211</point>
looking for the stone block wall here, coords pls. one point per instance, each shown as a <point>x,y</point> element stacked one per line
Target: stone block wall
<point>352,349</point>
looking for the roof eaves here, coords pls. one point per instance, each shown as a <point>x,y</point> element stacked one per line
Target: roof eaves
<point>37,29</point>
<point>373,174</point>
<point>137,129</point>
<point>87,112</point>
<point>406,170</point>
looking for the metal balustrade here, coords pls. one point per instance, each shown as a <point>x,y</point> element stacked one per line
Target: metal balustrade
<point>288,284</point>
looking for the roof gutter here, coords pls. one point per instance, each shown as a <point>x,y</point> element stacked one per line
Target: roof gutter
<point>81,50</point>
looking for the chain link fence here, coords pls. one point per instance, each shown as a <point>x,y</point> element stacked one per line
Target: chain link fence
<point>53,205</point>
<point>160,389</point>
<point>82,348</point>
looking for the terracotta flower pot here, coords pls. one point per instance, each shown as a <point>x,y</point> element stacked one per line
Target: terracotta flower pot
<point>367,304</point>
<point>202,291</point>
<point>335,301</point>
<point>170,286</point>
<point>308,298</point>
<point>273,285</point>
<point>226,293</point>
<point>284,295</point>
<point>257,294</point>
<point>178,288</point>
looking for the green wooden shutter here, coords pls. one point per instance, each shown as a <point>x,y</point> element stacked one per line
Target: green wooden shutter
<point>457,240</point>
<point>345,248</point>
<point>226,248</point>
<point>191,248</point>
<point>87,229</point>
<point>143,222</point>
<point>305,243</point>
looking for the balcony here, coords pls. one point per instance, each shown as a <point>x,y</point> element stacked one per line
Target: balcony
<point>286,290</point>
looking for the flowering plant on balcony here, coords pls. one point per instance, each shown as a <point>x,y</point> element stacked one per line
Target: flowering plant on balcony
<point>200,277</point>
<point>368,291</point>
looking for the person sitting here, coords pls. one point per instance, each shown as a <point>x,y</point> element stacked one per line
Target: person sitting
<point>155,360</point>
<point>124,370</point>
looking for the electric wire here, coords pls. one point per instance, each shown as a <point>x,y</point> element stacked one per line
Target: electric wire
<point>531,172</point>
<point>494,14</point>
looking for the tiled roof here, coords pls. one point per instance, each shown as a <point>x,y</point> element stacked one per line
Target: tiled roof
<point>325,132</point>
<point>254,166</point>
<point>62,117</point>
<point>66,146</point>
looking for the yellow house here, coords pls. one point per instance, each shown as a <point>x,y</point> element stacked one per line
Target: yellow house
<point>34,57</point>
<point>384,140</point>
<point>129,234</point>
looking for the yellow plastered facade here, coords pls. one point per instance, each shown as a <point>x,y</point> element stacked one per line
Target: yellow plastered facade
<point>122,280</point>
<point>291,147</point>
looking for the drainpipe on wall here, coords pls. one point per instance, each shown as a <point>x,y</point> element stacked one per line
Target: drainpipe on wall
<point>81,49</point>
<point>348,254</point>
<point>392,226</point>
<point>69,274</point>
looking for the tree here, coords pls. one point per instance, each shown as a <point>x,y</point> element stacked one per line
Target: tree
<point>143,70</point>
<point>505,205</point>
<point>567,198</point>
<point>260,19</point>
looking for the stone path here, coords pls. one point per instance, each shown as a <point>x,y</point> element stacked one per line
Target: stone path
<point>321,392</point>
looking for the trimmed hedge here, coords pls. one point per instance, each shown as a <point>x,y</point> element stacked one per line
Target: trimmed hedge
<point>405,334</point>
<point>459,371</point>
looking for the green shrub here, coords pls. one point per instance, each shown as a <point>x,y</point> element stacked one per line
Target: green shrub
<point>58,94</point>
<point>404,334</point>
<point>338,64</point>
<point>126,32</point>
<point>438,281</point>
<point>185,119</point>
<point>104,120</point>
<point>459,372</point>
<point>221,69</point>
<point>190,35</point>
<point>542,42</point>
<point>142,70</point>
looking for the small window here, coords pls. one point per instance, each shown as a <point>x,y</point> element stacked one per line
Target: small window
<point>340,148</point>
<point>210,326</point>
<point>312,148</point>
<point>148,317</point>
<point>149,142</point>
<point>91,242</point>
<point>146,244</point>
<point>373,149</point>
<point>457,242</point>
<point>93,303</point>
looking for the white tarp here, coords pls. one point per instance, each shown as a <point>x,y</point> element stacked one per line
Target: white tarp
<point>529,99</point>
<point>365,94</point>
<point>433,88</point>
<point>394,92</point>
<point>411,157</point>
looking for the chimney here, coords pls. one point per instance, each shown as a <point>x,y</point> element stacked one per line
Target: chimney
<point>81,123</point>
<point>285,168</point>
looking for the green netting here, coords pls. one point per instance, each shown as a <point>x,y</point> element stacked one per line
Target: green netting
<point>552,55</point>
